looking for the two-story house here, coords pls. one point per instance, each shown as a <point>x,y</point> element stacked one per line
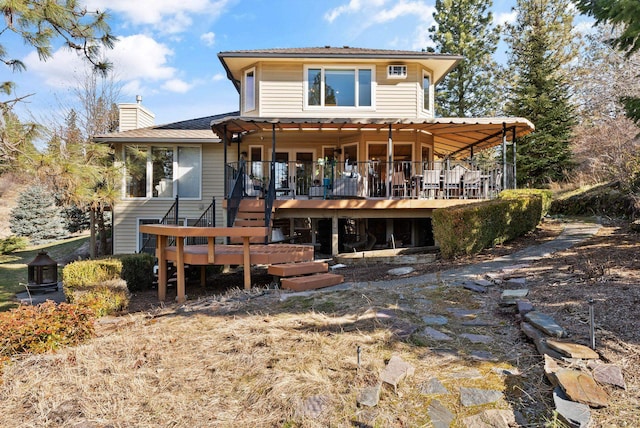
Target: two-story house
<point>336,147</point>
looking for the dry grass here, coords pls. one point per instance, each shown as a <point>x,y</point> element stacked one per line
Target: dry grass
<point>254,359</point>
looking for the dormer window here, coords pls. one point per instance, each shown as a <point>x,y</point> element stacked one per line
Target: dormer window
<point>397,72</point>
<point>250,89</point>
<point>339,87</point>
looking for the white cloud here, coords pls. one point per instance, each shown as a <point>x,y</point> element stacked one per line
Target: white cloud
<point>167,16</point>
<point>61,70</point>
<point>218,76</point>
<point>176,85</point>
<point>140,56</point>
<point>505,17</point>
<point>209,38</point>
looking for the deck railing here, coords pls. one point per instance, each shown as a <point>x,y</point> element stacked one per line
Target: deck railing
<point>149,241</point>
<point>376,179</point>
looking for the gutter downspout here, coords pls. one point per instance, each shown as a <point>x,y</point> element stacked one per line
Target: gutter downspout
<point>513,141</point>
<point>224,151</point>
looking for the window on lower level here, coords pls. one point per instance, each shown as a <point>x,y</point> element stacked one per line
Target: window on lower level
<point>162,171</point>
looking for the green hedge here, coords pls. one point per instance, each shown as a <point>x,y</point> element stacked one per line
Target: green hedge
<point>87,273</point>
<point>467,229</point>
<point>13,243</point>
<point>546,195</point>
<point>105,298</point>
<point>137,270</point>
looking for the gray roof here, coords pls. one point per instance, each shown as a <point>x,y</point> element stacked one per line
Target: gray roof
<point>191,130</point>
<point>333,51</point>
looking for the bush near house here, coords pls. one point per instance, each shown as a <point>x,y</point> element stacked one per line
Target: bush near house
<point>104,284</point>
<point>43,328</point>
<point>467,229</point>
<point>546,195</point>
<point>12,244</point>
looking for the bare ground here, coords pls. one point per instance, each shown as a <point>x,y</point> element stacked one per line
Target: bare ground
<point>255,359</point>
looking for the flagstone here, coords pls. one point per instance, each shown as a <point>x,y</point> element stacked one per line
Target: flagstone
<point>581,387</point>
<point>492,418</point>
<point>576,415</point>
<point>435,320</point>
<point>433,386</point>
<point>608,374</point>
<point>476,397</point>
<point>369,396</point>
<point>436,335</point>
<point>441,417</point>
<point>395,371</point>
<point>477,338</point>
<point>545,323</point>
<point>573,350</point>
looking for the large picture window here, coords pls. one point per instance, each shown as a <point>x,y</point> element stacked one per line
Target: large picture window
<point>339,87</point>
<point>162,171</point>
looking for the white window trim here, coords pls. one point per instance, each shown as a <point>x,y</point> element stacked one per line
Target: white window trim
<point>246,106</point>
<point>426,73</point>
<point>322,107</point>
<point>149,172</point>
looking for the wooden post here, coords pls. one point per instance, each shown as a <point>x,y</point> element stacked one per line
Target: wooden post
<point>161,243</point>
<point>180,267</point>
<point>247,262</point>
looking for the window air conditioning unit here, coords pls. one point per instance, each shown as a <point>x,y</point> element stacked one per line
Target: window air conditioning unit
<point>397,72</point>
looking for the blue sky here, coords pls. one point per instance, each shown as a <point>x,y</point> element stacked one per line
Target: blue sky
<point>167,49</point>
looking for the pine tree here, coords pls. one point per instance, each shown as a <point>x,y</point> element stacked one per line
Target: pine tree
<point>37,217</point>
<point>541,49</point>
<point>464,27</point>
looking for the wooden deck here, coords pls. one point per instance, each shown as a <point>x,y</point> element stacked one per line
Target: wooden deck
<point>217,254</point>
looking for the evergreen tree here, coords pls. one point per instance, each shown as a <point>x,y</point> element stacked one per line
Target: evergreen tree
<point>541,49</point>
<point>37,217</point>
<point>465,27</point>
<point>623,15</point>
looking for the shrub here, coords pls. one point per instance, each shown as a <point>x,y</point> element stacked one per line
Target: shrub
<point>37,217</point>
<point>103,299</point>
<point>86,273</point>
<point>137,270</point>
<point>42,328</point>
<point>467,229</point>
<point>12,244</point>
<point>546,195</point>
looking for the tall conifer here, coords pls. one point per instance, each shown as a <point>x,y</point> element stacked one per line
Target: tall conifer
<point>541,49</point>
<point>465,27</point>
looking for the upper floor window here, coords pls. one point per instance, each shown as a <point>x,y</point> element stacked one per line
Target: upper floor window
<point>426,91</point>
<point>162,171</point>
<point>250,90</point>
<point>340,87</point>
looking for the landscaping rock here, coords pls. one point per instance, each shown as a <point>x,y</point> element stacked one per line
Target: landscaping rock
<point>436,335</point>
<point>403,329</point>
<point>466,374</point>
<point>516,282</point>
<point>476,397</point>
<point>608,374</point>
<point>435,320</point>
<point>551,367</point>
<point>369,396</point>
<point>395,371</point>
<point>478,322</point>
<point>483,356</point>
<point>524,306</point>
<point>576,415</point>
<point>539,339</point>
<point>581,387</point>
<point>573,350</point>
<point>314,406</point>
<point>509,297</point>
<point>483,283</point>
<point>462,313</point>
<point>477,338</point>
<point>433,386</point>
<point>474,287</point>
<point>440,416</point>
<point>546,324</point>
<point>493,418</point>
<point>405,270</point>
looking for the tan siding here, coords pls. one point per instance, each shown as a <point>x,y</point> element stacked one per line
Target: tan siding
<point>281,93</point>
<point>134,116</point>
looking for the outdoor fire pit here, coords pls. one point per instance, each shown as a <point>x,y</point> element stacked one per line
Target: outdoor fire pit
<point>42,273</point>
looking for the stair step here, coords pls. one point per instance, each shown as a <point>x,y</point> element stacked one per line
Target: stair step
<point>248,223</point>
<point>295,269</point>
<point>311,282</point>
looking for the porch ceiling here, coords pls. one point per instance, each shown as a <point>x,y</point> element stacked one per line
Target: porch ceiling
<point>452,136</point>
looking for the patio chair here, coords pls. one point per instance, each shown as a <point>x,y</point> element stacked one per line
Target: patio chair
<point>472,184</point>
<point>451,182</point>
<point>399,184</point>
<point>431,182</point>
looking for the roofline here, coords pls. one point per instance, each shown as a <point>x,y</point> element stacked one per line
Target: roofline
<point>300,55</point>
<point>155,140</point>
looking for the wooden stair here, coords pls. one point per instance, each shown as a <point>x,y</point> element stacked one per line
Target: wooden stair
<point>250,214</point>
<point>304,276</point>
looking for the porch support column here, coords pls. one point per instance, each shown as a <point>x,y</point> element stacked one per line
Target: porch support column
<point>504,155</point>
<point>513,142</point>
<point>389,164</point>
<point>334,234</point>
<point>224,156</point>
<point>273,154</point>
